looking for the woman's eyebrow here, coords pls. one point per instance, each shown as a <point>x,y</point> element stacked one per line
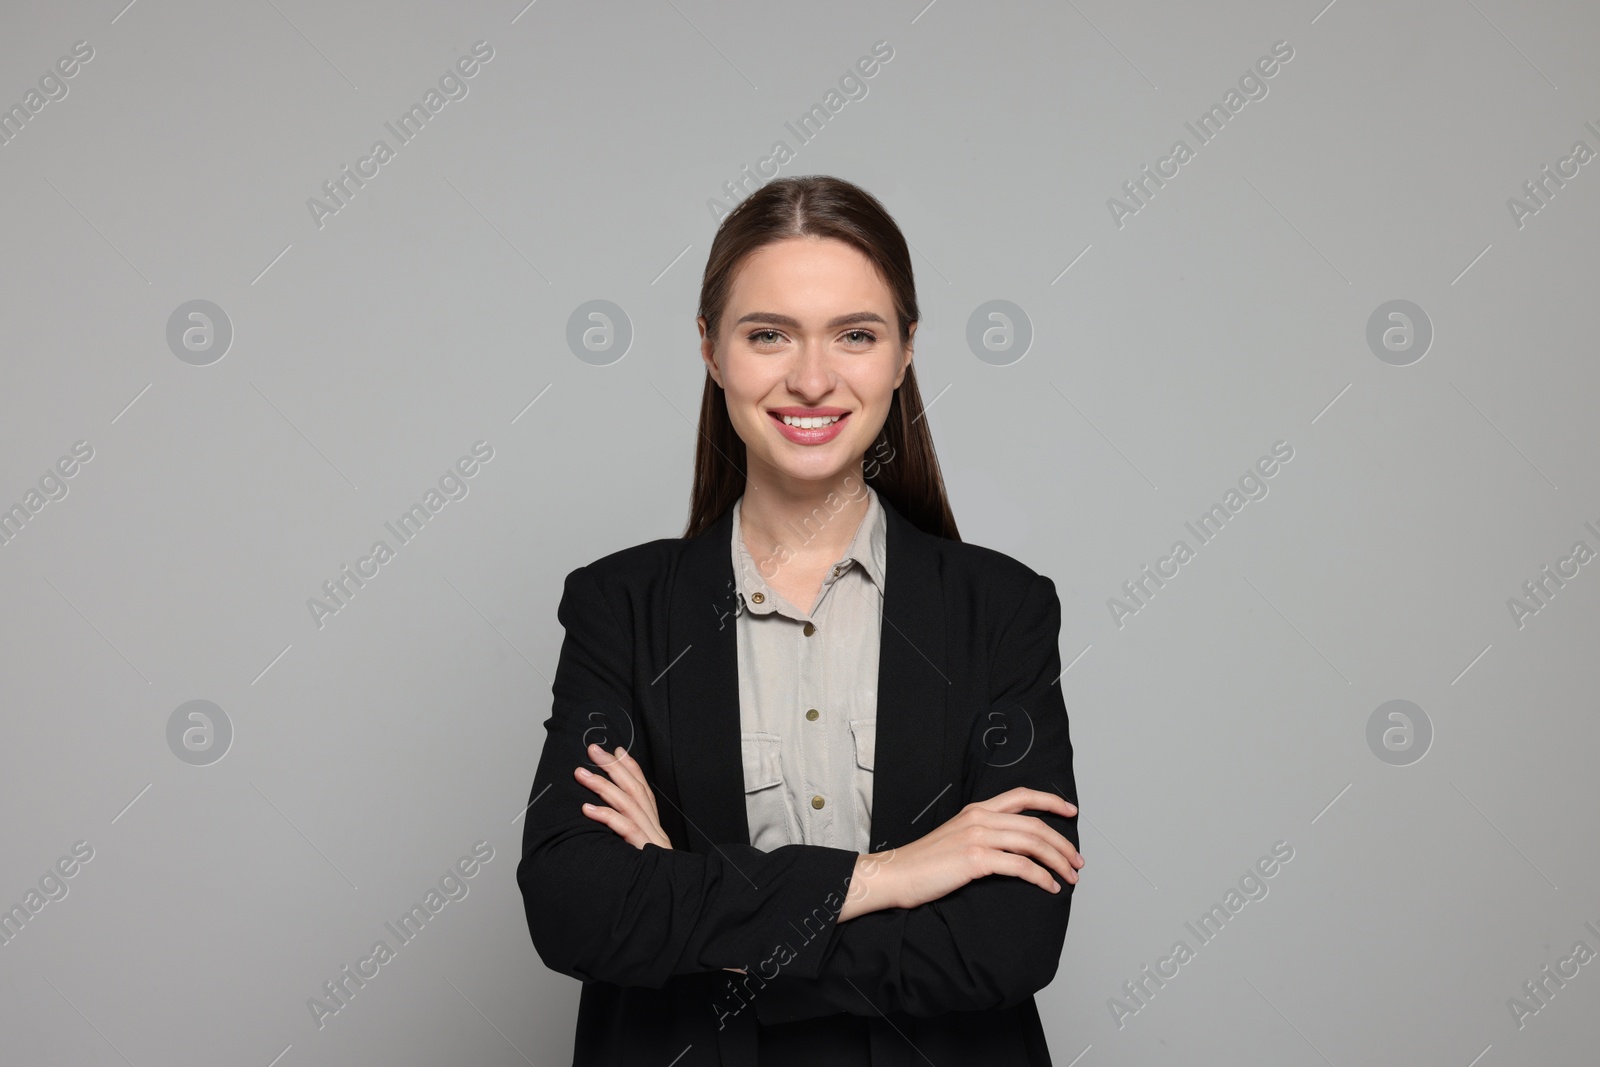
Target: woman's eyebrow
<point>794,324</point>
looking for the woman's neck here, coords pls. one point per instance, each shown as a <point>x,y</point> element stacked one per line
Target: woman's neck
<point>813,521</point>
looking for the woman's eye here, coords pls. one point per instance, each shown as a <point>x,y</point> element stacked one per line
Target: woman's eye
<point>772,337</point>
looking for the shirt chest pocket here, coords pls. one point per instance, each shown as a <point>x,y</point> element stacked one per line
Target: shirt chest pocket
<point>768,808</point>
<point>864,734</point>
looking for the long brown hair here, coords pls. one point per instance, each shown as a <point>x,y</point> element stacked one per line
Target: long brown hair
<point>902,466</point>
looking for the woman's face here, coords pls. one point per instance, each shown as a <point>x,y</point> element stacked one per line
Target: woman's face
<point>809,330</point>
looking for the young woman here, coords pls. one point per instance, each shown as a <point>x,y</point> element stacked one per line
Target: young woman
<point>867,838</point>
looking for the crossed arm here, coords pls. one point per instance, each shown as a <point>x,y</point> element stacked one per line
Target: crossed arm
<point>602,909</point>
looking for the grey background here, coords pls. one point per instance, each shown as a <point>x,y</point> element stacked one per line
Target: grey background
<point>369,354</point>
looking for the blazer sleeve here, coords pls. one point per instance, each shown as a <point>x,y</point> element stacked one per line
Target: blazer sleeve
<point>598,908</point>
<point>997,940</point>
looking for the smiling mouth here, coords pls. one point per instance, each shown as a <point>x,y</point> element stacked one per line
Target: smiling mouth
<point>809,422</point>
<point>810,430</point>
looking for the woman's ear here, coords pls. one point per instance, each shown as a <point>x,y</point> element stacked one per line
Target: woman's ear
<point>906,354</point>
<point>707,352</point>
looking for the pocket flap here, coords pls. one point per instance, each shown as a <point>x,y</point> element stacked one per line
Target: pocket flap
<point>865,732</point>
<point>763,763</point>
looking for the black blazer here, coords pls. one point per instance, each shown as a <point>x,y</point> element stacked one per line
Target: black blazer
<point>968,707</point>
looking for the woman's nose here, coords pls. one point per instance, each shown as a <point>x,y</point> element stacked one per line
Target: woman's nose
<point>810,376</point>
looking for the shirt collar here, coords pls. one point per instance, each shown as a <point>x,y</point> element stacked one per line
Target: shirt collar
<point>868,550</point>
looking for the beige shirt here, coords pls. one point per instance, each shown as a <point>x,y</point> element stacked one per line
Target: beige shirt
<point>808,692</point>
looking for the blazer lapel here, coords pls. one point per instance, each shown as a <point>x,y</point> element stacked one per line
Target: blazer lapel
<point>703,690</point>
<point>702,684</point>
<point>913,685</point>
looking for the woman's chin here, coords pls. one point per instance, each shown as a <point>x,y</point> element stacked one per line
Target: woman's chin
<point>821,469</point>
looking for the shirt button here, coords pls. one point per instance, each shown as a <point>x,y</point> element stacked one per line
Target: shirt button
<point>817,802</point>
<point>759,598</point>
<point>811,714</point>
<point>809,630</point>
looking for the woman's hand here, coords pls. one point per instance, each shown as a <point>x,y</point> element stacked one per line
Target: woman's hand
<point>986,837</point>
<point>632,815</point>
<point>632,812</point>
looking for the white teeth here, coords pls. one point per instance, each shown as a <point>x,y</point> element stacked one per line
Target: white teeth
<point>810,423</point>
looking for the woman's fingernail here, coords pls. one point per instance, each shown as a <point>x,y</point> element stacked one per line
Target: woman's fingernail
<point>621,751</point>
<point>582,773</point>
